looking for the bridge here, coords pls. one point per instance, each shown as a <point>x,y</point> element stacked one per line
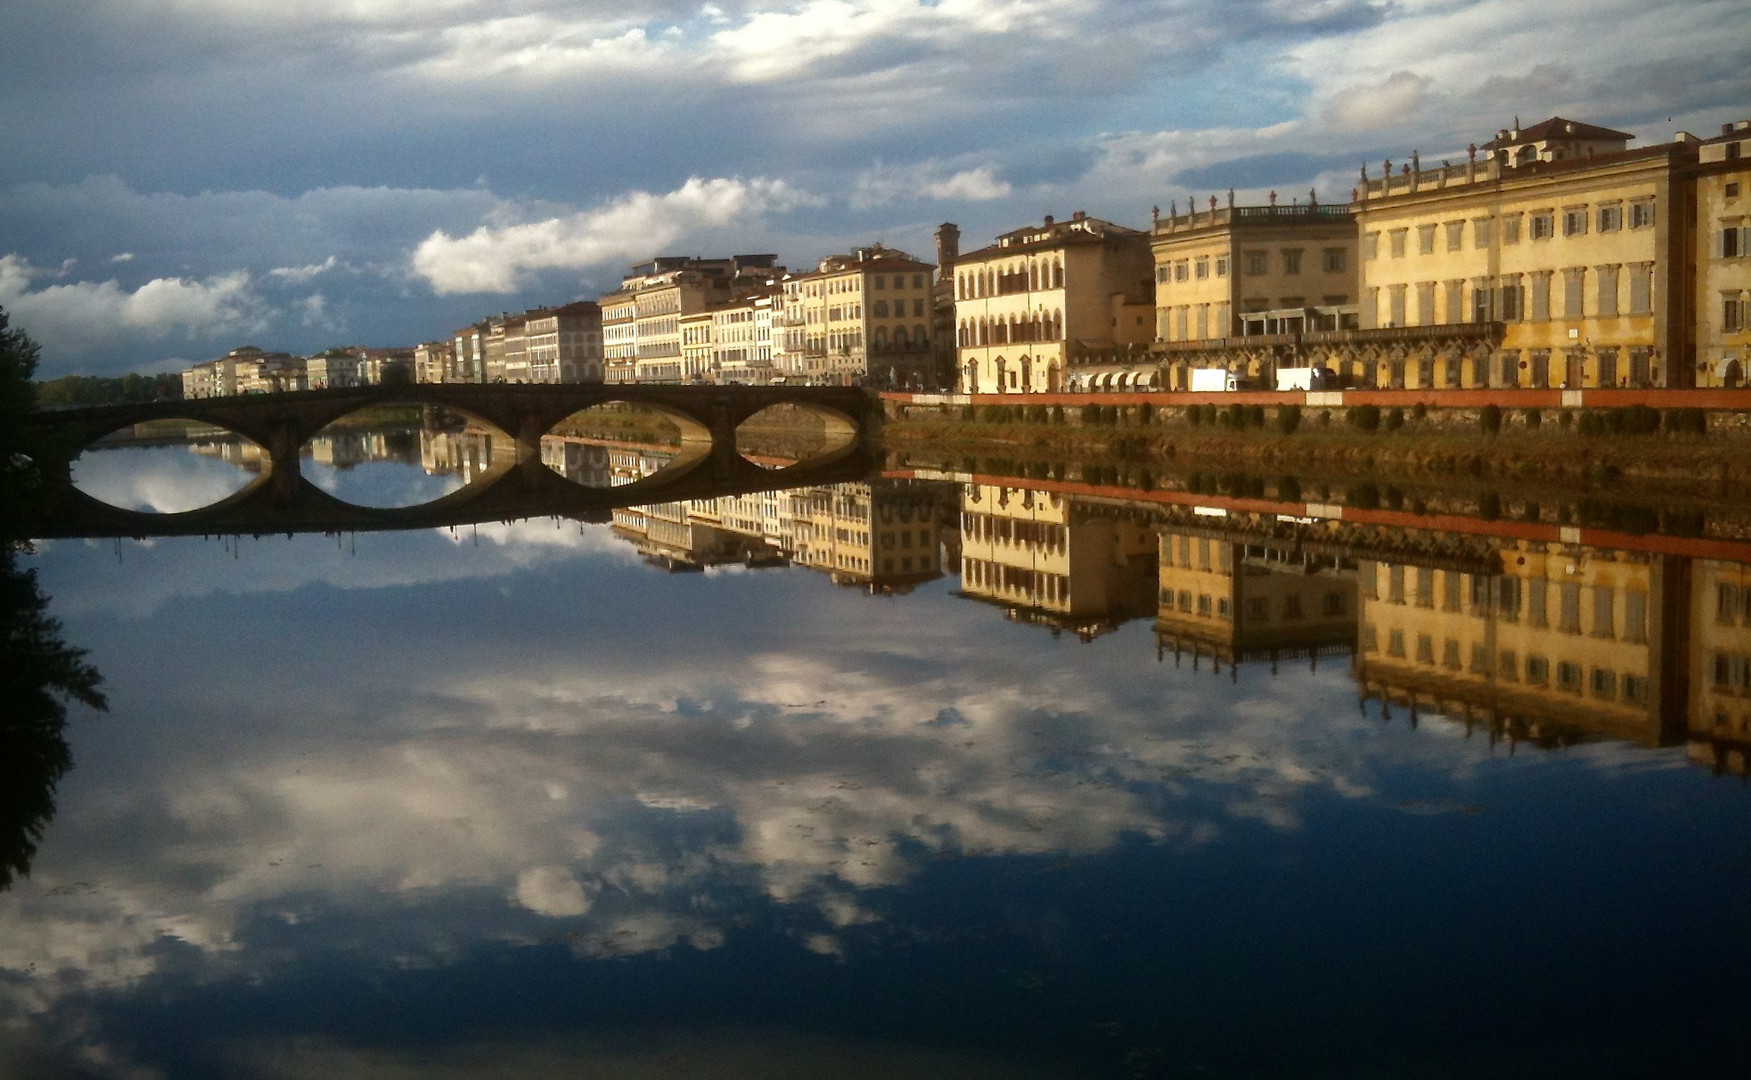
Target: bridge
<point>282,500</point>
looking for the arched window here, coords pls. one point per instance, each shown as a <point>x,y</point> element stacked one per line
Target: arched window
<point>900,342</point>
<point>880,339</point>
<point>920,337</point>
<point>1057,274</point>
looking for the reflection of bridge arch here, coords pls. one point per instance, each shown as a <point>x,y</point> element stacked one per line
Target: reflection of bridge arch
<point>282,500</point>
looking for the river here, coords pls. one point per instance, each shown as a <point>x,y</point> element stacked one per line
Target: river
<point>939,775</point>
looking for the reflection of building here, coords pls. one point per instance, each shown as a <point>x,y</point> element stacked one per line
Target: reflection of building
<point>580,462</point>
<point>1046,297</point>
<point>668,535</point>
<point>1565,641</point>
<point>883,536</point>
<point>466,454</point>
<point>1236,602</point>
<point>1719,664</point>
<point>1046,561</point>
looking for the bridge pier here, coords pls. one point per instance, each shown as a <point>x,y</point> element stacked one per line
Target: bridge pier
<point>285,439</point>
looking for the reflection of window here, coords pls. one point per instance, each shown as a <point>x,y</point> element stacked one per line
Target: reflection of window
<point>1291,607</point>
<point>1537,670</point>
<point>1604,683</point>
<point>1258,608</point>
<point>1480,659</point>
<point>1395,644</point>
<point>1425,649</point>
<point>1509,665</point>
<point>1334,603</point>
<point>1450,655</point>
<point>1370,641</point>
<point>1635,689</point>
<point>1569,619</point>
<point>1568,675</point>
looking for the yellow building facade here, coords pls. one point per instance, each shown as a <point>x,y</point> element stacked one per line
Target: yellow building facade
<point>1723,257</point>
<point>863,314</point>
<point>1579,247</point>
<point>1049,297</point>
<point>1233,269</point>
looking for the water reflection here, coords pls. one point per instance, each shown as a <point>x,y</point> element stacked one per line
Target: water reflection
<point>874,805</point>
<point>169,479</point>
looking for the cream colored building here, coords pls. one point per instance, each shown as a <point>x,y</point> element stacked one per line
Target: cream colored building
<point>1577,245</point>
<point>1723,257</point>
<point>245,370</point>
<point>433,361</point>
<point>695,346</point>
<point>1231,270</point>
<point>865,314</point>
<point>641,320</point>
<point>1049,297</point>
<point>883,536</point>
<point>565,343</point>
<point>468,354</point>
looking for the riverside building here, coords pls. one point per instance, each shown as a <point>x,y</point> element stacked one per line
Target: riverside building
<point>1050,298</point>
<point>862,315</point>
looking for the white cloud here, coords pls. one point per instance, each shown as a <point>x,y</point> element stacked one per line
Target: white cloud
<point>501,259</point>
<point>1399,99</point>
<point>83,315</point>
<point>298,275</point>
<point>883,184</point>
<point>552,890</point>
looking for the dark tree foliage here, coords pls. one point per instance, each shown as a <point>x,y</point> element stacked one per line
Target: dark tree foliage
<point>91,390</point>
<point>39,672</point>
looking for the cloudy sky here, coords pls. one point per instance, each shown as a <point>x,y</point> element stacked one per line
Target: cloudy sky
<point>178,177</point>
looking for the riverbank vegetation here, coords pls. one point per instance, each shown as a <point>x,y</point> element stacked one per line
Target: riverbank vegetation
<point>1673,454</point>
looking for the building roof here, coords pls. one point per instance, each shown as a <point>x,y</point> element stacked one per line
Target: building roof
<point>1554,128</point>
<point>1080,229</point>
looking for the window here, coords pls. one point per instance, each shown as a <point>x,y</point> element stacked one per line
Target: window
<point>1510,230</point>
<point>1568,676</point>
<point>1425,303</point>
<point>1161,275</point>
<point>1335,260</point>
<point>1180,270</point>
<point>1455,301</point>
<point>1732,313</point>
<point>1334,603</point>
<point>1607,291</point>
<point>1395,644</point>
<point>1573,279</point>
<point>1641,288</point>
<point>1201,269</point>
<point>1732,243</point>
<point>1425,649</point>
<point>1371,246</point>
<point>1258,608</point>
<point>1641,214</point>
<point>1481,232</point>
<point>1222,266</point>
<point>1455,234</point>
<point>1396,295</point>
<point>1395,242</point>
<point>1535,596</point>
<point>1604,601</point>
<point>1569,607</point>
<point>1575,221</point>
<point>1610,218</point>
<point>1425,239</point>
<point>1604,683</point>
<point>1537,670</point>
<point>880,308</point>
<point>1255,263</point>
<point>1291,260</point>
<point>1511,303</point>
<point>881,282</point>
<point>1541,225</point>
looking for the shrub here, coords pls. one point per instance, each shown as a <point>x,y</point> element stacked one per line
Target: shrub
<point>1145,413</point>
<point>1489,506</point>
<point>1490,419</point>
<point>1288,419</point>
<point>1534,418</point>
<point>1590,423</point>
<point>1686,422</point>
<point>1419,411</point>
<point>1090,415</point>
<point>1255,416</point>
<point>1566,418</point>
<point>1394,498</point>
<point>1363,417</point>
<point>1325,418</point>
<point>1394,418</point>
<point>1364,496</point>
<point>1195,415</point>
<point>1288,489</point>
<point>1057,414</point>
<point>969,412</point>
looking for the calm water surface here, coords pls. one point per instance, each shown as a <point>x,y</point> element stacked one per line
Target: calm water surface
<point>523,801</point>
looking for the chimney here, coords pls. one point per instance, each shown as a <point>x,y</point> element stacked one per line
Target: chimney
<point>1048,219</point>
<point>1079,215</point>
